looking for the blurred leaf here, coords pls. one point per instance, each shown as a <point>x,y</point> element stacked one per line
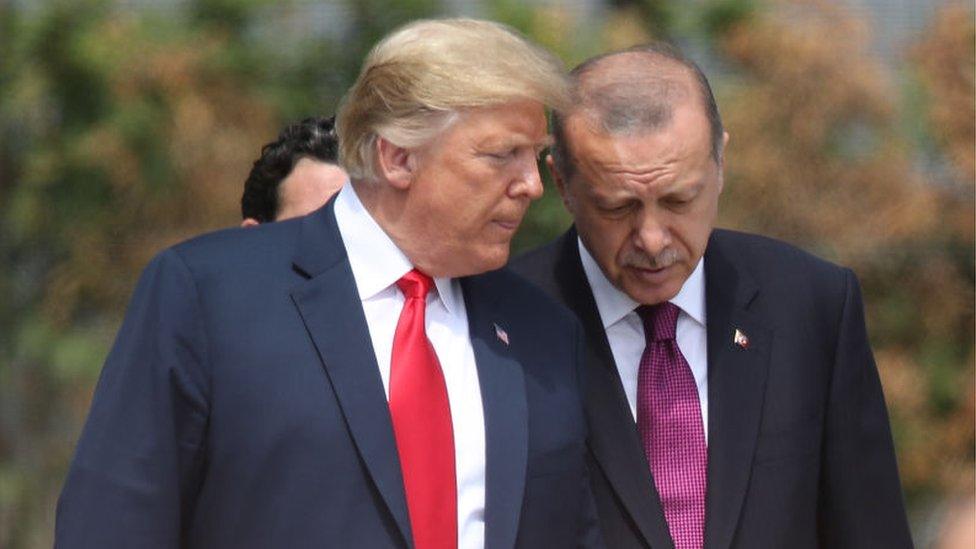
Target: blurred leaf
<point>718,17</point>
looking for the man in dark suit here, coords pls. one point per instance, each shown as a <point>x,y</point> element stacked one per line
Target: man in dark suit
<point>732,397</point>
<point>349,378</point>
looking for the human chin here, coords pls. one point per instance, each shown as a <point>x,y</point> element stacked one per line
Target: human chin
<point>480,258</point>
<point>495,256</point>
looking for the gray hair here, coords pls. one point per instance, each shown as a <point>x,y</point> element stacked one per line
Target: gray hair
<point>634,102</point>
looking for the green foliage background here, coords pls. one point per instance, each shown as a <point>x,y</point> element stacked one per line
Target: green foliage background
<point>124,130</point>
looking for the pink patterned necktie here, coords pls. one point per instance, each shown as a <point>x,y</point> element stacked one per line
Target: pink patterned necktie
<point>670,425</point>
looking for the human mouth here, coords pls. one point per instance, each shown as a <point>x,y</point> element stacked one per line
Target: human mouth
<point>508,221</point>
<point>652,270</point>
<point>507,225</point>
<point>651,275</point>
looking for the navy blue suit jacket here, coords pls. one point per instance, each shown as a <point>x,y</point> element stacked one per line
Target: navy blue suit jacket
<point>799,447</point>
<point>242,406</point>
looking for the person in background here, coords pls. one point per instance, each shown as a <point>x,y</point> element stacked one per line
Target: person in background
<point>295,175</point>
<point>367,375</point>
<point>733,400</point>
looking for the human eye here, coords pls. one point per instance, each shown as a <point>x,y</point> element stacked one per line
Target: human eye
<point>677,201</point>
<point>500,155</point>
<point>614,209</point>
<point>680,200</point>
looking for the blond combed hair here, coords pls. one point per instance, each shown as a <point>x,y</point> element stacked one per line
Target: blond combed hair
<point>415,81</point>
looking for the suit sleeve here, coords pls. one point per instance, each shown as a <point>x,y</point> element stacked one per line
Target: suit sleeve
<point>590,535</point>
<point>138,463</point>
<point>860,498</point>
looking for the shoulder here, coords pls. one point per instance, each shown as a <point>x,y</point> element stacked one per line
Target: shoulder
<point>517,297</point>
<point>237,251</point>
<point>767,257</point>
<point>224,266</point>
<point>229,245</point>
<point>792,280</point>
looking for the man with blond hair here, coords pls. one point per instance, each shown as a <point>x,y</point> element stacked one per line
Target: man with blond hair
<point>353,378</point>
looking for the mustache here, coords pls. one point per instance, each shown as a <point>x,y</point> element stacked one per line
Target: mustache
<point>640,260</point>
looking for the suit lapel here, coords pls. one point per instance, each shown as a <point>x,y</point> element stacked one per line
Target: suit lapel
<point>736,385</point>
<point>506,415</point>
<point>614,440</point>
<point>330,307</point>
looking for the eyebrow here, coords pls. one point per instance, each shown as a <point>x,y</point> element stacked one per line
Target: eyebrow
<point>506,142</point>
<point>689,190</point>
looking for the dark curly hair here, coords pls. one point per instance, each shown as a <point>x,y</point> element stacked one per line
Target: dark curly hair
<point>312,137</point>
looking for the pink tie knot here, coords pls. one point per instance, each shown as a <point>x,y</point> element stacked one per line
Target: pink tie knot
<point>415,284</point>
<point>660,320</point>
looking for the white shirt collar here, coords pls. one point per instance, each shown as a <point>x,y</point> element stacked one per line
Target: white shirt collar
<point>614,305</point>
<point>376,262</point>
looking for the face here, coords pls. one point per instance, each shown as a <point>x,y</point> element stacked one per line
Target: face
<point>644,204</point>
<point>470,187</point>
<point>310,184</point>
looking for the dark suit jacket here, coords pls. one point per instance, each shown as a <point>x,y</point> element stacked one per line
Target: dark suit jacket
<point>242,406</point>
<point>799,450</point>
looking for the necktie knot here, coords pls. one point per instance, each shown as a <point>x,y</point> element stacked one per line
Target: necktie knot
<point>660,320</point>
<point>415,284</point>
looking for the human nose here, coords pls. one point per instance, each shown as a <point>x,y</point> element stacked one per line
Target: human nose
<point>651,234</point>
<point>528,181</point>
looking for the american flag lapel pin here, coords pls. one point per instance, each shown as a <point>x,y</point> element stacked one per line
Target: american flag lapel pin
<point>740,339</point>
<point>501,334</point>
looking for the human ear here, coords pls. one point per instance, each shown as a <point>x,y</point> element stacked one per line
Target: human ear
<point>396,164</point>
<point>721,161</point>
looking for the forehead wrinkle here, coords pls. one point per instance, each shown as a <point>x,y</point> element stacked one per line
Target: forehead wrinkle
<point>665,174</point>
<point>647,155</point>
<point>622,176</point>
<point>632,155</point>
<point>662,175</point>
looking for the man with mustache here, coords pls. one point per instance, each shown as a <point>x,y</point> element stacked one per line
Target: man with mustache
<point>733,400</point>
<point>357,377</point>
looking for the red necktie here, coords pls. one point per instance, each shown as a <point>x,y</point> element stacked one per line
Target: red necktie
<point>670,423</point>
<point>422,423</point>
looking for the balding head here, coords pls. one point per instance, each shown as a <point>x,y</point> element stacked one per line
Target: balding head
<point>635,91</point>
<point>638,164</point>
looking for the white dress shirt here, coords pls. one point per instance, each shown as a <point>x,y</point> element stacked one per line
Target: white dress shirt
<point>625,332</point>
<point>377,264</point>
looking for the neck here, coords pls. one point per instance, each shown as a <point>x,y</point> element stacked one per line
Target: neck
<point>389,207</point>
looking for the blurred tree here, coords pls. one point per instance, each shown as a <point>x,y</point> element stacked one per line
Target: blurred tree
<point>943,424</point>
<point>123,133</point>
<point>819,156</point>
<point>944,60</point>
<point>658,16</point>
<point>123,130</point>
